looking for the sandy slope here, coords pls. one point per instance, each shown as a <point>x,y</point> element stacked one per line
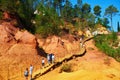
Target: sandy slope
<point>94,65</point>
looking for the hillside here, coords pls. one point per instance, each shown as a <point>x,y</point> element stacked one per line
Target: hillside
<point>30,30</point>
<point>94,65</point>
<point>19,48</point>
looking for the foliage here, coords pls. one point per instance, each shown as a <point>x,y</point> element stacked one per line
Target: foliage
<point>58,5</point>
<point>97,10</point>
<point>105,22</point>
<point>47,22</point>
<point>26,13</point>
<point>86,8</point>
<point>79,3</point>
<point>51,13</point>
<point>66,68</point>
<point>91,20</point>
<point>88,18</point>
<point>1,15</point>
<point>99,21</point>
<point>21,9</point>
<point>110,12</point>
<point>9,5</point>
<point>77,9</point>
<point>118,54</point>
<point>68,12</point>
<point>105,43</point>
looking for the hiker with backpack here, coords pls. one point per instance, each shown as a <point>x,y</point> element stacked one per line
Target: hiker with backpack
<point>26,73</point>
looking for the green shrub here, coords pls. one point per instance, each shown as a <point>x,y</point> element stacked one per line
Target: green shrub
<point>47,22</point>
<point>106,43</point>
<point>1,15</point>
<point>66,68</point>
<point>118,52</point>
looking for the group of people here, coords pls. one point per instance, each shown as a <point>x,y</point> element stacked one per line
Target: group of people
<point>28,72</point>
<point>50,59</point>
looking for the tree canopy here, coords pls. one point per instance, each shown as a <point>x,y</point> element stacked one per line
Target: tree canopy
<point>110,12</point>
<point>97,10</point>
<point>47,16</point>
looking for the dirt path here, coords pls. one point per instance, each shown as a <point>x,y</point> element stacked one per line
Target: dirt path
<point>66,58</point>
<point>48,68</point>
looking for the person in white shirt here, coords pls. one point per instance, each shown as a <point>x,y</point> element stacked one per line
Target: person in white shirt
<point>48,58</point>
<point>31,71</point>
<point>53,58</point>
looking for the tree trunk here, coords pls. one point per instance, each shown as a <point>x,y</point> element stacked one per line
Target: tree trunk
<point>111,23</point>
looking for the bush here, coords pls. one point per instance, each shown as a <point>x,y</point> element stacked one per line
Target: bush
<point>47,22</point>
<point>1,15</point>
<point>106,42</point>
<point>117,56</point>
<point>66,68</point>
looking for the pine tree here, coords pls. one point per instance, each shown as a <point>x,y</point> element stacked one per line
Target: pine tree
<point>97,10</point>
<point>21,9</point>
<point>68,11</point>
<point>110,12</point>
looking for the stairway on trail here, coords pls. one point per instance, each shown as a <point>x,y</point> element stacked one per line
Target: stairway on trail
<point>56,64</point>
<point>48,68</point>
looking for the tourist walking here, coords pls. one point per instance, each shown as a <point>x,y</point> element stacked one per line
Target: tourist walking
<point>48,58</point>
<point>43,62</point>
<point>31,71</point>
<point>26,73</point>
<point>53,58</point>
